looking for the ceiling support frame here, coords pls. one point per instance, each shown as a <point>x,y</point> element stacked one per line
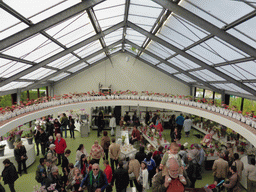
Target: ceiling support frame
<point>126,12</point>
<point>62,53</point>
<point>173,66</point>
<point>200,22</point>
<point>190,57</point>
<point>42,25</point>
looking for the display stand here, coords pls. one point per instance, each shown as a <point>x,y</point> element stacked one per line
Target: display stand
<point>84,129</point>
<point>9,154</point>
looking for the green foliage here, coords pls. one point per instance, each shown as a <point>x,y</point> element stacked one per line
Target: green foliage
<point>5,100</point>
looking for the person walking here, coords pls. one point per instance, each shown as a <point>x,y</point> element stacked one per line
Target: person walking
<point>172,124</point>
<point>97,152</point>
<point>20,154</point>
<point>220,169</point>
<point>101,123</point>
<point>105,143</point>
<point>233,185</point>
<point>180,122</point>
<point>121,178</point>
<point>60,146</point>
<point>108,173</point>
<point>64,124</point>
<point>187,126</point>
<point>71,124</point>
<point>57,126</point>
<point>9,174</point>
<point>114,152</point>
<point>43,141</point>
<point>41,172</point>
<point>134,171</point>
<point>37,138</point>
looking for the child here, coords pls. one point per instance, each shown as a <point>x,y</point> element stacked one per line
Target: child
<point>143,177</point>
<point>173,153</point>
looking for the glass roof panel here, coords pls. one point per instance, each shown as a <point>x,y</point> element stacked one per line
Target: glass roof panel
<point>29,8</point>
<point>135,36</point>
<point>115,49</point>
<point>144,10</point>
<point>9,68</point>
<point>183,63</point>
<point>149,58</point>
<point>59,77</point>
<point>14,85</point>
<point>248,69</point>
<point>252,85</point>
<point>230,87</point>
<point>236,72</point>
<point>110,12</point>
<point>73,31</point>
<point>185,78</point>
<point>207,75</point>
<point>146,2</point>
<point>242,37</point>
<point>63,61</point>
<point>9,24</point>
<point>167,68</point>
<point>160,50</point>
<point>214,51</point>
<point>38,74</point>
<point>96,58</point>
<point>143,22</point>
<point>36,48</point>
<point>89,49</point>
<point>78,67</point>
<point>113,37</point>
<point>178,31</point>
<point>201,13</point>
<point>248,28</point>
<point>227,11</point>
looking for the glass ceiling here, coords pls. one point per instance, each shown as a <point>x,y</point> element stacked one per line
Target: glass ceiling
<point>69,44</point>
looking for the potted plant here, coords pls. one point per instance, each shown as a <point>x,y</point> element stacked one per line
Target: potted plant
<point>29,137</point>
<point>211,151</point>
<point>10,139</point>
<point>18,134</point>
<point>2,147</point>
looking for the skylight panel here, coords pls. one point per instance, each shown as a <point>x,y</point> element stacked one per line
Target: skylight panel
<point>160,50</point>
<point>143,22</point>
<point>135,37</point>
<point>202,14</point>
<point>167,68</point>
<point>247,39</point>
<point>183,62</point>
<point>109,13</point>
<point>227,11</point>
<point>9,68</point>
<point>29,8</point>
<point>144,10</point>
<point>96,58</point>
<point>146,3</point>
<point>63,61</point>
<point>113,37</point>
<point>207,75</point>
<point>149,58</point>
<point>59,77</point>
<point>78,67</point>
<point>36,48</point>
<point>73,31</point>
<point>38,74</point>
<point>251,85</point>
<point>14,85</point>
<point>89,49</point>
<point>9,24</point>
<point>231,87</point>
<point>185,78</point>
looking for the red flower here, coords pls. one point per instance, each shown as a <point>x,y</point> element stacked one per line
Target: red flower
<point>239,111</point>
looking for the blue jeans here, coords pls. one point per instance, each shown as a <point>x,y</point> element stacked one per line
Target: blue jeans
<point>65,129</point>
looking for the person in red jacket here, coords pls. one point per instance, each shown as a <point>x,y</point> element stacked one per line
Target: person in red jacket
<point>60,146</point>
<point>108,172</point>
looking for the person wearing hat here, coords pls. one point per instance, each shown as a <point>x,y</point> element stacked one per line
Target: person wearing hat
<point>20,154</point>
<point>51,154</point>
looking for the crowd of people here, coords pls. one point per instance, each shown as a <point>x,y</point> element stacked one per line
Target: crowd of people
<point>175,169</point>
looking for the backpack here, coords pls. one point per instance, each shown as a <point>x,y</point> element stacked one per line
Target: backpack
<point>39,177</point>
<point>157,158</point>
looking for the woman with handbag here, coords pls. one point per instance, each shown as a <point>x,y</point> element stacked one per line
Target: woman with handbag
<point>233,184</point>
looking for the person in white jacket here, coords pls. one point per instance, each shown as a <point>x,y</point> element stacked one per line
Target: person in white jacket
<point>187,126</point>
<point>112,124</point>
<point>143,177</point>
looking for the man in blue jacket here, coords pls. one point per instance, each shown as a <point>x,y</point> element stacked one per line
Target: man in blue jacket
<point>180,122</point>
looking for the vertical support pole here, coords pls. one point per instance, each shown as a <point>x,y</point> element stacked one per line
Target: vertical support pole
<point>14,98</point>
<point>242,104</point>
<point>203,93</point>
<point>28,95</point>
<point>47,92</point>
<point>227,99</point>
<point>38,93</point>
<point>18,96</point>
